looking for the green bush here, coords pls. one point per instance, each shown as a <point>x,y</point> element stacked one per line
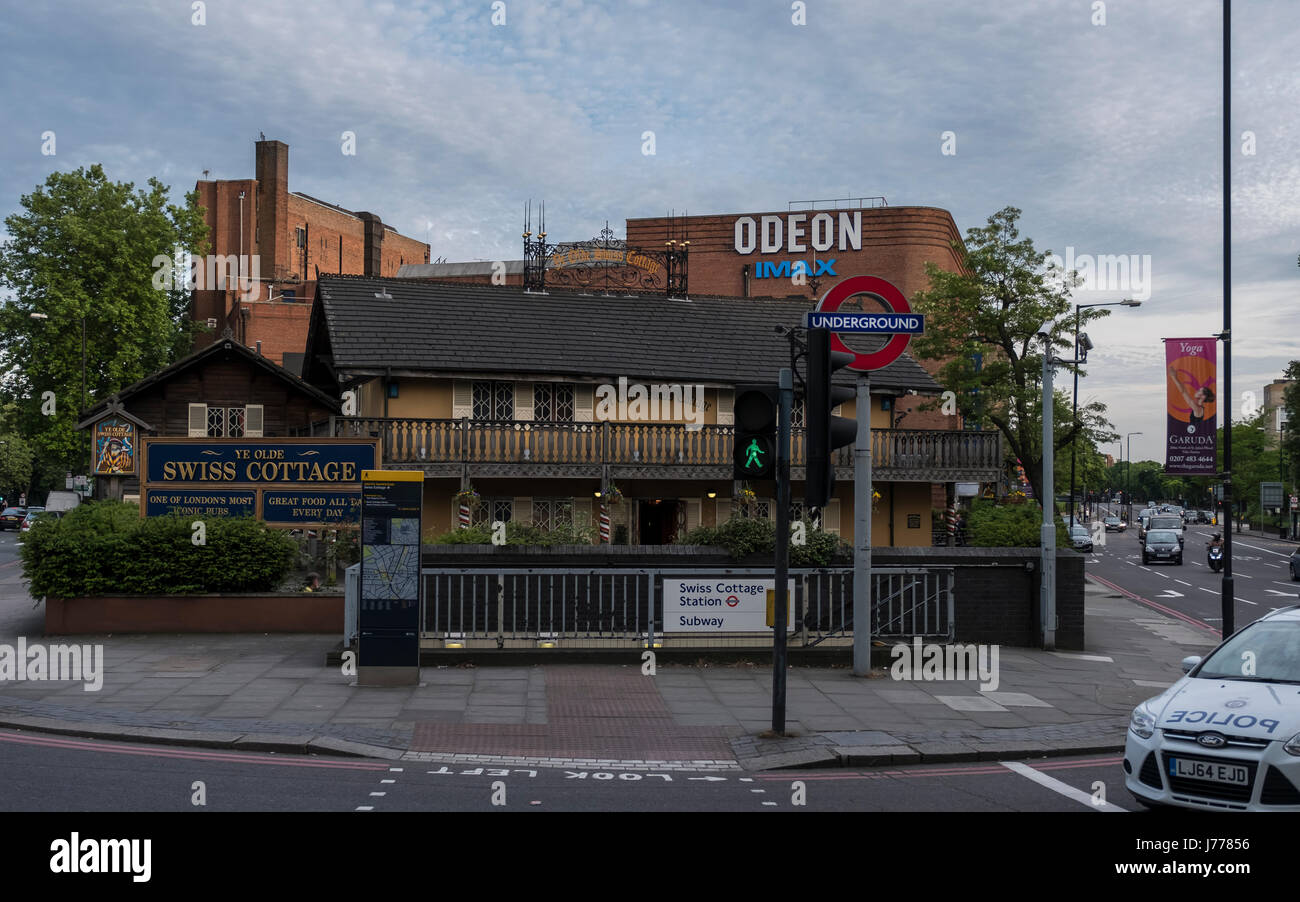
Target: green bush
<point>518,534</point>
<point>106,548</point>
<point>991,525</point>
<point>742,536</point>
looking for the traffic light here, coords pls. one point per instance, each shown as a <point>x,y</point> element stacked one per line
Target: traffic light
<point>755,408</point>
<point>825,432</point>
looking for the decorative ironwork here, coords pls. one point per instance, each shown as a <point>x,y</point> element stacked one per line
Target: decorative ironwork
<point>604,263</point>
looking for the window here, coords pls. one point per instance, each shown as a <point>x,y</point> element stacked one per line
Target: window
<point>225,422</point>
<point>797,415</point>
<point>288,295</point>
<point>300,236</point>
<point>552,513</point>
<point>494,401</point>
<point>489,510</point>
<point>392,389</point>
<point>553,402</point>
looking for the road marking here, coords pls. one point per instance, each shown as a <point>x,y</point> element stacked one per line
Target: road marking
<point>770,804</point>
<point>1285,594</point>
<point>1130,563</point>
<point>1274,566</point>
<point>387,781</point>
<point>365,808</point>
<point>1056,785</point>
<point>1161,575</point>
<point>379,794</point>
<point>1170,593</point>
<point>1211,591</point>
<point>1257,548</point>
<point>1280,583</point>
<point>1102,658</point>
<point>1183,581</point>
<point>1247,601</point>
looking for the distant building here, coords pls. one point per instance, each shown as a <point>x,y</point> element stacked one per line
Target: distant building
<point>1274,411</point>
<point>276,240</point>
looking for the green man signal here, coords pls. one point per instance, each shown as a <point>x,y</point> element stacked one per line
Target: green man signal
<point>755,450</point>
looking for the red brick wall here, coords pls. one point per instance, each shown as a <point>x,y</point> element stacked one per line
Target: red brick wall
<point>334,243</point>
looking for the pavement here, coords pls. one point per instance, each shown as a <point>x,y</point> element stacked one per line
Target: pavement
<point>276,693</point>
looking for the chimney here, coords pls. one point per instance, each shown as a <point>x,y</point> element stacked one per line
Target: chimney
<point>259,348</point>
<point>272,209</point>
<point>373,257</point>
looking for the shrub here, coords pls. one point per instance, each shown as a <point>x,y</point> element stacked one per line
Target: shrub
<point>741,537</point>
<point>991,525</point>
<point>518,534</point>
<point>106,548</point>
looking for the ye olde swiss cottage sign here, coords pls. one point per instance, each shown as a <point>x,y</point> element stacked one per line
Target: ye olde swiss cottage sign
<point>283,481</point>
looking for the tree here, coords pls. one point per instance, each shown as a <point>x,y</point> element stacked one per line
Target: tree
<point>82,251</point>
<point>1291,434</point>
<point>1253,462</point>
<point>995,305</point>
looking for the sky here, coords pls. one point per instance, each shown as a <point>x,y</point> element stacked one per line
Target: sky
<point>1101,122</point>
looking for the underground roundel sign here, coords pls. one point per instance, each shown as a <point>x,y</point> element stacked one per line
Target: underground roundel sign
<point>900,322</point>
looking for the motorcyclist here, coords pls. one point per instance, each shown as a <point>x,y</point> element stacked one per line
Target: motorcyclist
<point>1216,541</point>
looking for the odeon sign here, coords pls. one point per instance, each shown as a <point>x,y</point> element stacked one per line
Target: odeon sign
<point>797,233</point>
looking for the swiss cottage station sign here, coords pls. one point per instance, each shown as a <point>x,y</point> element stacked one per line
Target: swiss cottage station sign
<point>284,481</point>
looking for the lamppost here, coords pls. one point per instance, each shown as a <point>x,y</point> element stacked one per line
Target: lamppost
<point>1128,473</point>
<point>1082,345</point>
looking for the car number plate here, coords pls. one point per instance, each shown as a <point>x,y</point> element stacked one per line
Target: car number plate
<point>1234,774</point>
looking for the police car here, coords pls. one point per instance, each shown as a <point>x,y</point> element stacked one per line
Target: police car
<point>1227,735</point>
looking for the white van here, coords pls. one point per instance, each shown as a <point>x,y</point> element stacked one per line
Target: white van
<point>62,501</point>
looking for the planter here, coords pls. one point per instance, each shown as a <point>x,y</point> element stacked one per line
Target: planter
<point>305,612</point>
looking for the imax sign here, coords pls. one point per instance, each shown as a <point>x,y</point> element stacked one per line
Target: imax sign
<point>786,269</point>
<point>794,233</point>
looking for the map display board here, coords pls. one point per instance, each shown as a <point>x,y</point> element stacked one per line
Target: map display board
<point>390,569</point>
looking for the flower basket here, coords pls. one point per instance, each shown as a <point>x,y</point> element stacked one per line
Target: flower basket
<point>468,498</point>
<point>613,496</point>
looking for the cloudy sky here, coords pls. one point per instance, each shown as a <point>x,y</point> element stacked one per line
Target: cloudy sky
<point>1107,136</point>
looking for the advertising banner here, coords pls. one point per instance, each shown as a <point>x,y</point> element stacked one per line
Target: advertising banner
<point>1191,373</point>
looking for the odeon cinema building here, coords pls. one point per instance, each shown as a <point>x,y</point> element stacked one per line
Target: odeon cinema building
<point>598,377</point>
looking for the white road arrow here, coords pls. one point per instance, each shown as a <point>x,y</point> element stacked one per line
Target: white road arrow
<point>1285,594</point>
<point>1170,594</point>
<point>709,779</point>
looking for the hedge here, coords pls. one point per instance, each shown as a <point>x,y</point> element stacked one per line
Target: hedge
<point>107,548</point>
<point>993,525</point>
<point>742,537</point>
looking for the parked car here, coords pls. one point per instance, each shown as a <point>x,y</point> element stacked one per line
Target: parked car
<point>1081,538</point>
<point>12,517</point>
<point>38,513</point>
<point>1162,545</point>
<point>1115,524</point>
<point>1219,739</point>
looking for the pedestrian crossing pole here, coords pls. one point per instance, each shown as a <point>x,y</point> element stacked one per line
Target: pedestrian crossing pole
<point>782,548</point>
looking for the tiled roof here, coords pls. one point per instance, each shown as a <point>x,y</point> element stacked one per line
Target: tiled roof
<point>447,328</point>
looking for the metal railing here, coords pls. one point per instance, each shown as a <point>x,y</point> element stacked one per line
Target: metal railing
<point>623,607</point>
<point>937,454</point>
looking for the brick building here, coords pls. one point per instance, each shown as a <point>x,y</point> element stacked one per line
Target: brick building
<point>276,240</point>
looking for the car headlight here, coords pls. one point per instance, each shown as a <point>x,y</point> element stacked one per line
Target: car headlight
<point>1292,746</point>
<point>1143,722</point>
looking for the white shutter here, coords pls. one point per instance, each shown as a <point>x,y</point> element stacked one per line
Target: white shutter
<point>726,407</point>
<point>692,514</point>
<point>583,403</point>
<point>582,512</point>
<point>721,511</point>
<point>524,401</point>
<point>254,420</point>
<point>462,399</point>
<point>198,421</point>
<point>521,511</point>
<point>831,517</point>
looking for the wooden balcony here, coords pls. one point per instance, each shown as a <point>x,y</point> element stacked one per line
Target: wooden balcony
<point>446,447</point>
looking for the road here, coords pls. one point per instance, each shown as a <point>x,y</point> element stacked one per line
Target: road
<point>66,774</point>
<point>1262,580</point>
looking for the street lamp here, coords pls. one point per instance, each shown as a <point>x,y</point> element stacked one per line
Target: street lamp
<point>1082,345</point>
<point>1128,472</point>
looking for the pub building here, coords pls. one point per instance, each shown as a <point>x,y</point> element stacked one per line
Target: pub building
<point>223,391</point>
<point>559,403</point>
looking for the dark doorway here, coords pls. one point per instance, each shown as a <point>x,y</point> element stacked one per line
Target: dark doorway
<point>657,521</point>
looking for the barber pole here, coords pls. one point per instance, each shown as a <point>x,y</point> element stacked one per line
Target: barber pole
<point>604,524</point>
<point>952,521</point>
<point>464,516</point>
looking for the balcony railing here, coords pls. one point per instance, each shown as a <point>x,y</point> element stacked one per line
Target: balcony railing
<point>937,455</point>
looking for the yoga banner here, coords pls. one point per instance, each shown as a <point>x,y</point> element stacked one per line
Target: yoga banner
<point>1190,372</point>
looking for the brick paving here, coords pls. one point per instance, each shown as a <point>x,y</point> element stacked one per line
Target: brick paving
<point>592,712</point>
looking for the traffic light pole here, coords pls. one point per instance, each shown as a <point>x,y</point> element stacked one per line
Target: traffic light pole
<point>782,549</point>
<point>862,531</point>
